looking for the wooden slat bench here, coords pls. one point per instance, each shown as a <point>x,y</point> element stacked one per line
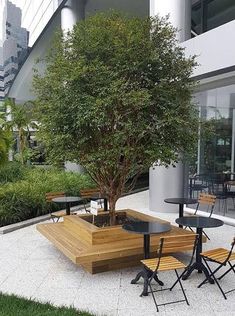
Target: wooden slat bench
<point>97,255</point>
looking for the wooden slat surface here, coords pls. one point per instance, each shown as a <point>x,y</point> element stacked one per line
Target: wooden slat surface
<point>52,195</point>
<point>107,256</point>
<point>166,263</point>
<point>88,193</point>
<point>218,254</point>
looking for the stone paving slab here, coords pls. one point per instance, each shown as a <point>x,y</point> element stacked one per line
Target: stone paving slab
<point>33,268</point>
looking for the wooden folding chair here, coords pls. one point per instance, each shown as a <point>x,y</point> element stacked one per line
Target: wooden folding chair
<point>222,257</point>
<point>208,200</point>
<point>162,264</point>
<point>55,216</point>
<point>88,194</point>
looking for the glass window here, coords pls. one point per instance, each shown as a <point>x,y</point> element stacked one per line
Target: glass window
<point>209,14</point>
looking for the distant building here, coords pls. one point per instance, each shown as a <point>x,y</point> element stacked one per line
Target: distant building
<point>14,45</point>
<point>35,15</point>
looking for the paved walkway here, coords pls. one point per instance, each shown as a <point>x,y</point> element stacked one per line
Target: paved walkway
<point>32,267</point>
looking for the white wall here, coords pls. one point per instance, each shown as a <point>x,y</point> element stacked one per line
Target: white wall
<point>215,49</point>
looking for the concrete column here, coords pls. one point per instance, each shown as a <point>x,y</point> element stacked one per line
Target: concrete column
<point>170,182</point>
<point>71,13</point>
<point>165,183</point>
<point>180,15</point>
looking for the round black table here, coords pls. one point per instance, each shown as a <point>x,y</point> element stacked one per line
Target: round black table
<point>146,229</point>
<point>101,197</point>
<point>67,200</point>
<point>181,202</point>
<point>199,223</point>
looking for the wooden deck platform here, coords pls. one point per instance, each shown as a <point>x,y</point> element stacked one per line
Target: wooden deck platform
<point>102,249</point>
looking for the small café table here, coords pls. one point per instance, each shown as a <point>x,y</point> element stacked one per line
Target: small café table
<point>199,222</point>
<point>181,202</point>
<point>67,200</point>
<point>146,229</point>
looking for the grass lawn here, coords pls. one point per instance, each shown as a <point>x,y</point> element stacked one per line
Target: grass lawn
<point>11,305</point>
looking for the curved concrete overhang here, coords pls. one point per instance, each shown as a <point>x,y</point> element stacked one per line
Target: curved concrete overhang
<point>21,89</point>
<point>215,54</point>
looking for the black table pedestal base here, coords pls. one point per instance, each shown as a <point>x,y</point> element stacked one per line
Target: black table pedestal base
<point>200,268</point>
<point>145,274</point>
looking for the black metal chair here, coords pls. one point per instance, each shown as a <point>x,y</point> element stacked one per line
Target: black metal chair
<point>217,187</point>
<point>198,183</point>
<point>222,257</point>
<point>162,263</point>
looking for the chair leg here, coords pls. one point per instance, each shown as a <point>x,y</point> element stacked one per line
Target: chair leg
<point>232,267</point>
<point>179,279</point>
<point>212,274</point>
<point>154,299</point>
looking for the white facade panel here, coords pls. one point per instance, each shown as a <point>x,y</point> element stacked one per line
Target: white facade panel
<point>215,49</point>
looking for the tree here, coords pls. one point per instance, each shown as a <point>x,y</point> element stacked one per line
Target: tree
<point>116,97</point>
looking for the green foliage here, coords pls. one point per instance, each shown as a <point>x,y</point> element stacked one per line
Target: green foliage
<point>5,143</point>
<point>25,198</point>
<point>21,120</point>
<point>13,305</point>
<point>11,172</point>
<point>116,98</point>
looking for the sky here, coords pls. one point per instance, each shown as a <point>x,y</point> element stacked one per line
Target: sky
<point>18,3</point>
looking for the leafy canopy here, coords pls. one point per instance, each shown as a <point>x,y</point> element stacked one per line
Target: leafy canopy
<point>115,97</point>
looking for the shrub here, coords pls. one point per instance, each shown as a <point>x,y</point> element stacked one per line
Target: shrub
<point>12,171</point>
<point>25,198</point>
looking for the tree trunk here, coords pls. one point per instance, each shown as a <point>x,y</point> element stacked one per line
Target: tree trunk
<point>21,145</point>
<point>112,204</point>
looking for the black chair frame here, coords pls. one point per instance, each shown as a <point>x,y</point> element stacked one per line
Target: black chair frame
<point>154,276</point>
<point>212,273</point>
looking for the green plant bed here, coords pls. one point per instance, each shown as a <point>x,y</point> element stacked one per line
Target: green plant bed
<point>13,305</point>
<point>25,198</point>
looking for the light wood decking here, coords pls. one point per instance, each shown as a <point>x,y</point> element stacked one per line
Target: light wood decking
<point>102,249</point>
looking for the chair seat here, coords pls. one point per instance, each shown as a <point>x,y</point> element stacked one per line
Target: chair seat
<point>166,263</point>
<point>218,254</point>
<point>58,214</point>
<point>62,213</point>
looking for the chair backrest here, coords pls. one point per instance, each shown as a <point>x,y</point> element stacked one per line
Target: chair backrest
<point>231,250</point>
<point>206,199</point>
<point>52,195</point>
<point>88,193</point>
<point>169,243</point>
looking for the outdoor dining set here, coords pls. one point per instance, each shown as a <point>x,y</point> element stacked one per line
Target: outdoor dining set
<point>161,259</point>
<point>152,266</point>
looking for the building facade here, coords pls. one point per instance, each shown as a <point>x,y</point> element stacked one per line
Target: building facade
<point>14,45</point>
<point>205,28</point>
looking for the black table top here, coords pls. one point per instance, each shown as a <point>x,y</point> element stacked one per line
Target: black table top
<point>146,228</point>
<point>199,221</point>
<point>67,199</point>
<point>181,201</point>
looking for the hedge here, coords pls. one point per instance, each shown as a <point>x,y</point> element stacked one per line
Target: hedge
<point>25,198</point>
